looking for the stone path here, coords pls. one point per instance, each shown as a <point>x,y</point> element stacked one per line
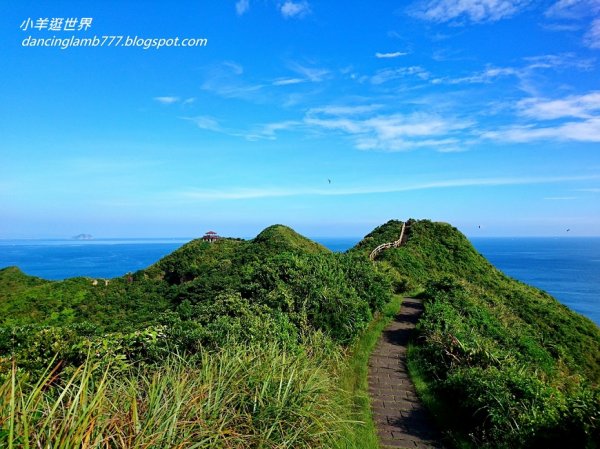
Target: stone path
<point>401,420</point>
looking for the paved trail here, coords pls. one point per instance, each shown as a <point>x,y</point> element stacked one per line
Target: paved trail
<point>401,420</point>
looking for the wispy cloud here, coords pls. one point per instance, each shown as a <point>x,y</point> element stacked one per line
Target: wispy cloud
<point>345,110</point>
<point>312,74</point>
<point>592,37</point>
<point>386,75</point>
<point>392,132</point>
<point>371,131</point>
<point>205,122</point>
<point>473,10</point>
<point>582,131</point>
<point>560,198</point>
<point>287,81</point>
<point>271,192</point>
<point>576,13</point>
<point>269,131</point>
<point>573,9</point>
<point>291,9</point>
<point>242,6</point>
<point>561,27</point>
<point>166,100</point>
<point>558,61</point>
<point>233,90</point>
<point>528,74</point>
<point>174,100</point>
<point>233,67</point>
<point>486,76</point>
<point>395,54</point>
<point>585,107</point>
<point>579,106</point>
<point>589,190</point>
<point>226,80</point>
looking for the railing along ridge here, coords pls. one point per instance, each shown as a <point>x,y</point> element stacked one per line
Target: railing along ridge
<point>394,244</point>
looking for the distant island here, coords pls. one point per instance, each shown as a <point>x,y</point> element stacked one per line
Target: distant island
<point>83,237</point>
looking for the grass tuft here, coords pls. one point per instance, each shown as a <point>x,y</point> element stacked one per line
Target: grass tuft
<point>239,397</point>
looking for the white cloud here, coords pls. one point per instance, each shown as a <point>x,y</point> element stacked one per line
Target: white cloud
<point>395,132</point>
<point>592,37</point>
<point>269,131</point>
<point>290,9</point>
<point>585,107</point>
<point>560,198</point>
<point>233,67</point>
<point>579,106</point>
<point>312,74</point>
<point>391,132</point>
<point>576,12</point>
<point>487,76</point>
<point>557,61</point>
<point>344,110</point>
<point>474,10</point>
<point>230,89</point>
<point>526,74</point>
<point>242,6</point>
<point>287,81</point>
<point>205,122</point>
<point>589,190</point>
<point>167,100</point>
<point>583,131</point>
<point>386,75</point>
<point>270,192</point>
<point>395,54</point>
<point>573,9</point>
<point>561,27</point>
<point>225,80</point>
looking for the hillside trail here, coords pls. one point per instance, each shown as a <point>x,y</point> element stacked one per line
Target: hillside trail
<point>401,419</point>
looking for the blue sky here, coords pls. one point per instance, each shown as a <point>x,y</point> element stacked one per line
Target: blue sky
<point>331,117</point>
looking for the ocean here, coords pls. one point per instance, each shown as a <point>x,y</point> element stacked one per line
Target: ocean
<point>567,268</point>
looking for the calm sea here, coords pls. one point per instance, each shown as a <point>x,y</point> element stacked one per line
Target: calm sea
<point>567,268</point>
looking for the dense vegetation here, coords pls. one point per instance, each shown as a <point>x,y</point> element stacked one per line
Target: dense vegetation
<point>244,344</point>
<point>511,366</point>
<point>256,328</point>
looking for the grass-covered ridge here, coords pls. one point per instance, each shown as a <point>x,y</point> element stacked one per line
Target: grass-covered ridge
<point>279,286</point>
<point>230,344</point>
<point>516,367</point>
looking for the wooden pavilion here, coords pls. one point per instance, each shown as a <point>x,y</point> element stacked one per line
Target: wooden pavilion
<point>210,237</point>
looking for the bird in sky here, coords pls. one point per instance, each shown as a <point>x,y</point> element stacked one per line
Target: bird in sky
<point>329,181</point>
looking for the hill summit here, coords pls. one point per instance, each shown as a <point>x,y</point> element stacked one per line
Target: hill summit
<point>512,366</point>
<point>283,238</point>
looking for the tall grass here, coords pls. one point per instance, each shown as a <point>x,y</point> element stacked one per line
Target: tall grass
<point>240,397</point>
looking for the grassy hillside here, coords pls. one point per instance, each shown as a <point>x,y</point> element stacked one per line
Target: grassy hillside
<point>284,239</point>
<point>279,286</point>
<point>515,367</point>
<point>243,343</point>
<point>231,344</point>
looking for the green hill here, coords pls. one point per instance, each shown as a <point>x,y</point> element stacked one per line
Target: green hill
<point>516,367</point>
<point>279,286</point>
<point>502,364</point>
<point>282,238</point>
<point>198,258</point>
